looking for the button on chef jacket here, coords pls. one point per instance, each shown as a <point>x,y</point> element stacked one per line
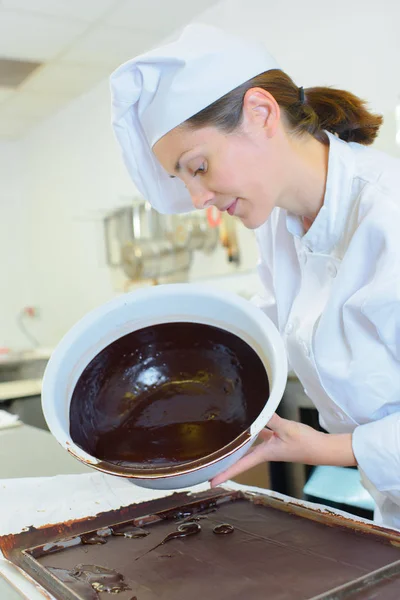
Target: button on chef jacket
<point>334,294</point>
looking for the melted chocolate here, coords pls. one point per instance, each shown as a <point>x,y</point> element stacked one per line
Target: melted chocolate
<point>180,515</point>
<point>87,580</point>
<point>93,538</point>
<point>166,395</point>
<point>182,531</point>
<point>130,531</point>
<point>223,529</point>
<point>273,554</point>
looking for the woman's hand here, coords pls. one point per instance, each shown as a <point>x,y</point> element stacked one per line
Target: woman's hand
<point>289,441</point>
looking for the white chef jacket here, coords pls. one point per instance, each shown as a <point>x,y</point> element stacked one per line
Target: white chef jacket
<point>334,294</point>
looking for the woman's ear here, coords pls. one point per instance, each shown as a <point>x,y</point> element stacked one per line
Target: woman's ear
<point>261,112</point>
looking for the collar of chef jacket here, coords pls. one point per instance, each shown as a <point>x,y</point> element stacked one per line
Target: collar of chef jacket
<point>328,227</point>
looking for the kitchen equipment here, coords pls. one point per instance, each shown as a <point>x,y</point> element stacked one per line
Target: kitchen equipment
<point>149,246</point>
<point>229,237</point>
<point>171,303</point>
<point>150,259</point>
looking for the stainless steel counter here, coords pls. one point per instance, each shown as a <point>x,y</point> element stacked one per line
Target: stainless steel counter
<point>22,397</point>
<point>9,390</point>
<point>30,452</point>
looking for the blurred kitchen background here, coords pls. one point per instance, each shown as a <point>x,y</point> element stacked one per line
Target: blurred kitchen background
<point>73,230</point>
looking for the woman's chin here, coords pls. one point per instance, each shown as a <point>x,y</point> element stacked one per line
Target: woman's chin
<point>252,221</point>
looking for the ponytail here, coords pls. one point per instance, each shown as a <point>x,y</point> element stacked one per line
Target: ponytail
<point>311,110</point>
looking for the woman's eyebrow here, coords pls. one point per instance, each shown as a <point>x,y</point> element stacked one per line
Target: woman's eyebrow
<point>178,166</point>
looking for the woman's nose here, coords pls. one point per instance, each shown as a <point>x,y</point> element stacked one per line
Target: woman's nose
<point>202,198</point>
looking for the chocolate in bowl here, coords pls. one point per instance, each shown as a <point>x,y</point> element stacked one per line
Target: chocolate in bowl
<point>167,395</point>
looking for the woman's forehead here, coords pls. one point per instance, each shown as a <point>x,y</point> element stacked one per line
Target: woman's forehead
<point>181,140</point>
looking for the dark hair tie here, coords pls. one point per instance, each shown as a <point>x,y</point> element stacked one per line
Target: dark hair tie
<point>301,95</point>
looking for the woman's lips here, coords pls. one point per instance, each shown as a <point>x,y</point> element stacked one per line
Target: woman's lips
<point>231,209</point>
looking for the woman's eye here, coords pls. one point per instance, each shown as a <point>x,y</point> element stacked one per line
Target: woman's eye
<point>201,170</point>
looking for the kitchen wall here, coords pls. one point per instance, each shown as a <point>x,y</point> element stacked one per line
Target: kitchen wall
<point>14,252</point>
<point>74,176</point>
<point>73,173</point>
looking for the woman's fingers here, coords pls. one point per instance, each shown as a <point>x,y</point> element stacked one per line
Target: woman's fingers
<point>286,440</point>
<point>253,458</point>
<point>265,435</point>
<point>256,455</point>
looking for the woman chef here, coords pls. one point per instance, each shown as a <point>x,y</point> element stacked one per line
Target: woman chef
<point>210,119</point>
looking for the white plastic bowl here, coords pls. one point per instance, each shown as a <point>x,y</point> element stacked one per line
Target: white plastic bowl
<point>149,306</point>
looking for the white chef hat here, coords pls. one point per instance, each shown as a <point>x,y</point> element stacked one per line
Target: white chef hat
<point>158,90</point>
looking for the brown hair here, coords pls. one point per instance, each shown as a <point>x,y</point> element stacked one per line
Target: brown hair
<point>337,111</point>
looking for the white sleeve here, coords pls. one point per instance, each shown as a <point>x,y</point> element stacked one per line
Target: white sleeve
<point>376,446</point>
